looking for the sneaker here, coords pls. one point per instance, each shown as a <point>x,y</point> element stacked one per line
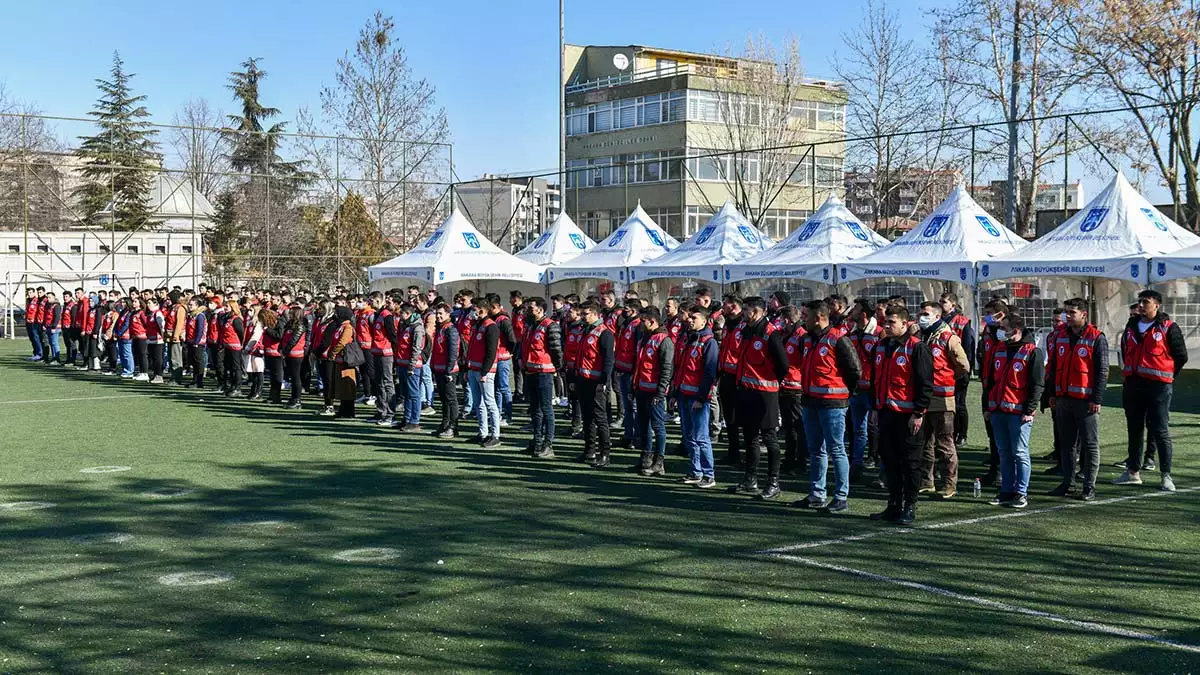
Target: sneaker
<point>385,423</point>
<point>999,499</point>
<point>1149,465</point>
<point>771,492</point>
<point>810,502</point>
<point>837,506</point>
<point>1167,485</point>
<point>492,442</point>
<point>427,411</point>
<point>1055,470</point>
<point>446,433</point>
<point>889,515</point>
<point>691,480</point>
<point>547,452</point>
<point>503,423</point>
<point>360,400</point>
<point>947,493</point>
<point>927,489</point>
<point>1089,495</point>
<point>370,401</point>
<point>1118,465</point>
<point>157,380</point>
<point>416,428</point>
<point>675,420</point>
<point>746,487</point>
<point>1128,478</point>
<point>707,482</point>
<point>1018,502</point>
<point>293,406</point>
<point>327,411</point>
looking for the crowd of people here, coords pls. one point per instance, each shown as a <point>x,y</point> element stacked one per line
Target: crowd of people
<point>872,391</point>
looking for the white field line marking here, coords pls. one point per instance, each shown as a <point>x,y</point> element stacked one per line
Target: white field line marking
<point>72,400</point>
<point>1015,513</point>
<point>993,604</point>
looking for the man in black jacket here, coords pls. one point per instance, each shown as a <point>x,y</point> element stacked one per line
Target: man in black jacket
<point>651,382</point>
<point>593,370</point>
<point>1076,378</point>
<point>1154,352</point>
<point>541,357</point>
<point>902,387</point>
<point>762,366</point>
<point>444,363</point>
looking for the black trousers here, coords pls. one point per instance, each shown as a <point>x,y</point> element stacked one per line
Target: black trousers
<point>327,381</point>
<point>233,369</point>
<point>307,367</point>
<point>447,391</point>
<point>593,406</point>
<point>197,356</point>
<point>140,353</point>
<point>216,359</point>
<point>795,445</point>
<point>756,412</point>
<point>294,369</point>
<point>154,359</point>
<point>274,366</point>
<point>1147,412</point>
<point>1077,428</point>
<point>92,351</point>
<point>73,347</point>
<point>900,452</point>
<point>962,416</point>
<point>256,384</point>
<point>727,393</point>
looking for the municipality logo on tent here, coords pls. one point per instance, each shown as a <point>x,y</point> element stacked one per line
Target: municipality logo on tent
<point>825,274</point>
<point>1162,269</point>
<point>856,230</point>
<point>1155,219</point>
<point>810,228</point>
<point>1134,270</point>
<point>748,234</point>
<point>984,269</point>
<point>935,225</point>
<point>988,225</point>
<point>433,238</point>
<point>654,237</point>
<point>1092,220</point>
<point>616,238</point>
<point>705,235</point>
<point>471,239</point>
<point>577,241</point>
<point>962,273</point>
<point>542,240</point>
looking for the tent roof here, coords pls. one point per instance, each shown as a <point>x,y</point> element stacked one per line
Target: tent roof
<point>1182,264</point>
<point>831,235</point>
<point>945,246</point>
<point>637,240</point>
<point>727,237</point>
<point>1111,237</point>
<point>453,252</point>
<point>563,241</point>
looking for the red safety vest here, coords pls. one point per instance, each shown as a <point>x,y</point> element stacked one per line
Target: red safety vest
<point>229,335</point>
<point>271,345</point>
<point>793,380</point>
<point>943,373</point>
<point>318,334</point>
<point>958,324</point>
<point>137,325</point>
<point>214,321</point>
<point>689,372</point>
<point>572,345</point>
<point>337,337</point>
<point>648,367</point>
<point>1073,376</point>
<point>893,386</point>
<point>189,330</point>
<point>1147,356</point>
<point>150,323</point>
<point>407,351</point>
<point>31,312</point>
<point>591,365</point>
<point>440,361</point>
<point>48,317</point>
<point>170,320</point>
<point>502,353</point>
<point>674,327</point>
<point>989,342</point>
<point>820,376</point>
<point>465,330</point>
<point>1011,380</point>
<point>864,344</point>
<point>296,352</point>
<point>626,348</point>
<point>68,315</point>
<point>536,357</point>
<point>88,316</point>
<point>518,320</point>
<point>612,320</point>
<point>476,352</point>
<point>380,344</point>
<point>363,320</point>
<point>731,348</point>
<point>756,371</point>
<point>39,310</point>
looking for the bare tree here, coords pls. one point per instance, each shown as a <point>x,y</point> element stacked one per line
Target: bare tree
<point>1145,54</point>
<point>976,39</point>
<point>752,101</point>
<point>887,79</point>
<point>200,147</point>
<point>33,180</point>
<point>392,133</point>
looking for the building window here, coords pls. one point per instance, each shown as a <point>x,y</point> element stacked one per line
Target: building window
<point>160,249</point>
<point>627,113</point>
<point>131,249</point>
<point>14,248</point>
<point>186,249</point>
<point>76,249</point>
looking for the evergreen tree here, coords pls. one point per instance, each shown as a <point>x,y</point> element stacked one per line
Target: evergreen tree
<point>121,158</point>
<point>225,246</point>
<point>255,148</point>
<point>352,235</point>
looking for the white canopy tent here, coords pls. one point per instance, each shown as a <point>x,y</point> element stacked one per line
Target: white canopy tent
<point>1182,264</point>
<point>944,247</point>
<point>829,237</point>
<point>1112,238</point>
<point>726,238</point>
<point>563,241</point>
<point>454,252</point>
<point>638,240</point>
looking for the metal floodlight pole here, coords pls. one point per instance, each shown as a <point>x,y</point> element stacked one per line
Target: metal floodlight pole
<point>1010,210</point>
<point>562,93</point>
<point>337,205</point>
<point>1066,164</point>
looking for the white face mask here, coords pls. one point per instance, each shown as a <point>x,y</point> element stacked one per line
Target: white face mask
<point>925,321</point>
<point>1001,334</point>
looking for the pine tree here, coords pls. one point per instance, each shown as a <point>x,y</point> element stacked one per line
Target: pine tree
<point>225,245</point>
<point>120,160</point>
<point>255,149</point>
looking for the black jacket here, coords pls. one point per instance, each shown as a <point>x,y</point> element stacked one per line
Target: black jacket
<point>491,344</point>
<point>608,349</point>
<point>666,360</point>
<point>297,332</point>
<point>1099,369</point>
<point>922,370</point>
<point>452,341</point>
<point>1037,373</point>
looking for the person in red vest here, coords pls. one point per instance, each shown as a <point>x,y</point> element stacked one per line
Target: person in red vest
<point>830,370</point>
<point>625,355</point>
<point>778,301</point>
<point>364,318</point>
<point>613,318</point>
<point>481,376</point>
<point>272,346</point>
<point>693,385</point>
<point>52,327</point>
<point>993,314</point>
<point>294,348</point>
<point>33,323</point>
<point>196,335</point>
<point>444,364</point>
<point>1012,391</point>
<point>216,356</point>
<point>864,337</point>
<point>409,357</point>
<point>506,348</point>
<point>231,329</point>
<point>961,325</point>
<point>1076,379</point>
<point>902,384</point>
<point>950,365</point>
<point>593,371</point>
<point>730,349</point>
<point>654,364</point>
<point>575,328</point>
<point>1153,351</point>
<point>541,357</point>
<point>791,416</point>
<point>85,310</point>
<point>516,302</point>
<point>70,334</point>
<point>137,330</point>
<point>155,325</point>
<point>382,356</point>
<point>762,365</point>
<point>464,319</point>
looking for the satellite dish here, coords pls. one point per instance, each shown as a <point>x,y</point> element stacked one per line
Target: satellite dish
<point>620,61</point>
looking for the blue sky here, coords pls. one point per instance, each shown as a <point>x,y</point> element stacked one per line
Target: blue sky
<point>494,63</point>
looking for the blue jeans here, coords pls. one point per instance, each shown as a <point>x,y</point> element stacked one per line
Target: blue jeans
<point>489,411</point>
<point>427,385</point>
<point>503,388</point>
<point>411,379</point>
<point>125,350</point>
<point>625,390</point>
<point>1012,441</point>
<point>539,391</point>
<point>651,418</point>
<point>35,337</point>
<point>860,407</point>
<point>693,424</point>
<point>52,338</point>
<point>469,398</point>
<point>825,430</point>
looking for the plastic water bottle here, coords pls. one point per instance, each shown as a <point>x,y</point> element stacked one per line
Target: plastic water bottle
<point>978,489</point>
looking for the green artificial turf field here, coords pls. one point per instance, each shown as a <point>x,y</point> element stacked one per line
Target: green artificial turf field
<point>493,561</point>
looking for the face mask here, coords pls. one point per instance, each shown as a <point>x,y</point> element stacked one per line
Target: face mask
<point>989,320</point>
<point>1062,317</point>
<point>925,321</point>
<point>1001,334</point>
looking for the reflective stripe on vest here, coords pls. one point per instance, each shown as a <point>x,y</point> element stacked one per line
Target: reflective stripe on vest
<point>893,377</point>
<point>1147,355</point>
<point>794,380</point>
<point>1073,374</point>
<point>821,378</point>
<point>648,368</point>
<point>590,363</point>
<point>534,351</point>
<point>943,374</point>
<point>1011,379</point>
